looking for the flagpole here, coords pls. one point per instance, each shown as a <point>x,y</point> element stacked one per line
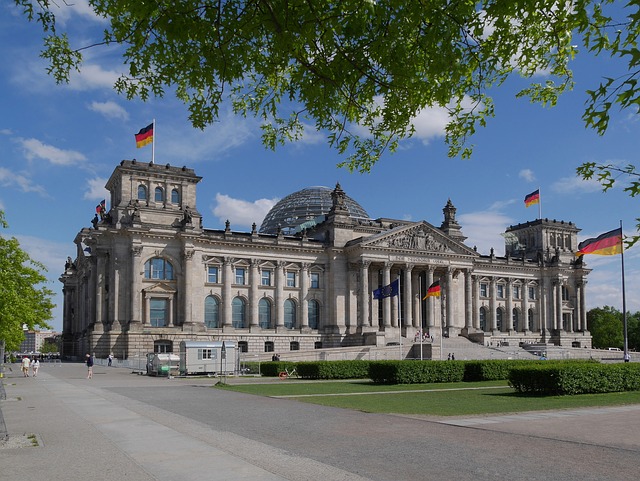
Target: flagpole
<point>420,317</point>
<point>153,143</point>
<point>624,301</point>
<point>539,204</point>
<point>399,316</point>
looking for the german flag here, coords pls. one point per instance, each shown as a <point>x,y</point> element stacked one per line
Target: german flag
<point>608,244</point>
<point>145,136</point>
<point>433,291</point>
<point>532,198</point>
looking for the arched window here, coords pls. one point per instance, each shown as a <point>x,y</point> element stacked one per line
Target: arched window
<point>158,268</point>
<point>499,315</point>
<point>530,315</point>
<point>142,192</point>
<point>264,313</point>
<point>516,320</point>
<point>175,196</point>
<point>211,312</point>
<point>314,314</point>
<point>483,319</point>
<point>159,194</point>
<point>289,314</point>
<point>238,312</point>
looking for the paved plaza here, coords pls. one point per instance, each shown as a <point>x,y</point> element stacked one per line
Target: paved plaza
<point>122,425</point>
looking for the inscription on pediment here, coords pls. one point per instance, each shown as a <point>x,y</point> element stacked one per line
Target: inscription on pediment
<point>419,240</point>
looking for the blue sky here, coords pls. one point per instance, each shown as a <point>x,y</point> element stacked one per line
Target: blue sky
<point>59,145</point>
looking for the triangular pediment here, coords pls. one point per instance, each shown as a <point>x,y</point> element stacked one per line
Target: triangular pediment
<point>160,288</point>
<point>420,237</point>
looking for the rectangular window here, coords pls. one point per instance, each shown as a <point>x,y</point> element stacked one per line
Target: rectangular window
<point>158,312</point>
<point>500,291</point>
<point>532,293</point>
<point>240,274</point>
<point>266,278</point>
<point>315,280</point>
<point>204,354</point>
<point>212,275</point>
<point>516,292</point>
<point>291,279</point>
<point>483,289</point>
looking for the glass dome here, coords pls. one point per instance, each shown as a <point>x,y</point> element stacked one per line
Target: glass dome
<point>306,206</point>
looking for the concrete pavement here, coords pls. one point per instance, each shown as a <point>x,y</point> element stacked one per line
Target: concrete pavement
<point>121,425</point>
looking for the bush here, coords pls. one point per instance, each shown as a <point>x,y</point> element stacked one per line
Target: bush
<point>575,378</point>
<point>416,372</point>
<point>357,369</point>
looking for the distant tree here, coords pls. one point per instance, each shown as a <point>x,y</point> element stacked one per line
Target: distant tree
<point>633,331</point>
<point>357,70</point>
<point>24,299</point>
<point>48,347</point>
<point>605,326</point>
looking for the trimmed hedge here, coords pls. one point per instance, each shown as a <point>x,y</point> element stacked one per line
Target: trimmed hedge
<point>567,378</point>
<point>416,372</point>
<point>273,368</point>
<point>356,369</point>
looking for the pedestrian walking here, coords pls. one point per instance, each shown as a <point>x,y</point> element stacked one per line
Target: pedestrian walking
<point>26,362</point>
<point>89,366</point>
<point>110,359</point>
<point>35,365</point>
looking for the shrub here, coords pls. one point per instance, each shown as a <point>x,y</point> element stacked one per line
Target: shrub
<point>416,372</point>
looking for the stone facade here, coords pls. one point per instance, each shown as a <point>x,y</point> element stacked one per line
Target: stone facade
<point>147,275</point>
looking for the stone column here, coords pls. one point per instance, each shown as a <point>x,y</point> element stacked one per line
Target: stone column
<point>416,302</point>
<point>386,302</point>
<point>493,322</point>
<point>450,297</point>
<point>254,293</point>
<point>524,309</point>
<point>227,281</point>
<point>188,288</point>
<point>583,308</point>
<point>430,301</point>
<point>510,326</point>
<point>407,300</point>
<point>304,294</point>
<point>364,294</point>
<point>468,300</point>
<point>476,300</point>
<point>280,281</point>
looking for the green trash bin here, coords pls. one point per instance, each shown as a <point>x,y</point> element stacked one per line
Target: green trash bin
<point>163,371</point>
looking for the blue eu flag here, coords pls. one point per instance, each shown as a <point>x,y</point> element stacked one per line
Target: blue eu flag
<point>387,291</point>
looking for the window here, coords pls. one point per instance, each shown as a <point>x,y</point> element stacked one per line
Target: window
<point>238,313</point>
<point>142,192</point>
<point>162,346</point>
<point>158,268</point>
<point>240,275</point>
<point>483,319</point>
<point>289,314</point>
<point>211,312</point>
<point>243,346</point>
<point>159,194</point>
<point>266,278</point>
<point>264,313</point>
<point>315,280</point>
<point>530,315</point>
<point>532,293</point>
<point>484,289</point>
<point>205,354</point>
<point>517,293</point>
<point>516,320</point>
<point>175,196</point>
<point>314,314</point>
<point>500,291</point>
<point>294,346</point>
<point>212,274</point>
<point>317,345</point>
<point>291,279</point>
<point>499,319</point>
<point>268,346</point>
<point>158,312</point>
<point>565,293</point>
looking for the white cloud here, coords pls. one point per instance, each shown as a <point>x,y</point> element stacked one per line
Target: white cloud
<point>34,149</point>
<point>110,110</point>
<point>64,11</point>
<point>96,189</point>
<point>483,230</point>
<point>241,213</point>
<point>527,174</point>
<point>10,179</point>
<point>91,77</point>
<point>572,185</point>
<point>430,123</point>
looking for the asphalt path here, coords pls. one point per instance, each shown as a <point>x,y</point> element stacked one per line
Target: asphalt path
<point>292,440</point>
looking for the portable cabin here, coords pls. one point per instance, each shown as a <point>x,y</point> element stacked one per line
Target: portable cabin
<point>208,357</point>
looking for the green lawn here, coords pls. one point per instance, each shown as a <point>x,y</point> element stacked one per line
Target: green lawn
<point>446,399</point>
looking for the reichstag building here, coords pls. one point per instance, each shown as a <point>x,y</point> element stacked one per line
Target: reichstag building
<point>148,275</point>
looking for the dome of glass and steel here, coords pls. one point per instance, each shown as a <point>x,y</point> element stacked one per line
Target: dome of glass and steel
<point>307,206</point>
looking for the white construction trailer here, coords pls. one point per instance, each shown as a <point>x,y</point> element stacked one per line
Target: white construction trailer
<point>208,357</point>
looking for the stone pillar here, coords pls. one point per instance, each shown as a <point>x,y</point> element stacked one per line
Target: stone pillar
<point>364,294</point>
<point>386,302</point>
<point>254,293</point>
<point>304,294</point>
<point>407,300</point>
<point>450,297</point>
<point>510,326</point>
<point>524,309</point>
<point>280,282</point>
<point>476,300</point>
<point>416,302</point>
<point>430,301</point>
<point>493,322</point>
<point>227,281</point>
<point>583,308</point>
<point>137,273</point>
<point>188,288</point>
<point>468,300</point>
